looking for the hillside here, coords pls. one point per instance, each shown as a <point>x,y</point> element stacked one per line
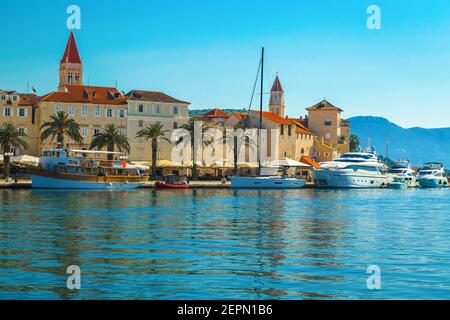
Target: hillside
<point>419,145</point>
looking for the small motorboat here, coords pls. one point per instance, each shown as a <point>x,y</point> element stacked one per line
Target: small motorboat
<point>396,185</point>
<point>172,182</point>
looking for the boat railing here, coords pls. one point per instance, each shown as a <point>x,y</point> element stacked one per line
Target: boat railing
<point>96,171</point>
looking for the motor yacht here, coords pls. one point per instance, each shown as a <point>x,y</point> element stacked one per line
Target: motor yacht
<point>352,170</point>
<point>401,176</point>
<point>433,176</point>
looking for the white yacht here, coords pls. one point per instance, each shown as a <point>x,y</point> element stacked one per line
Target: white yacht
<point>401,176</point>
<point>352,170</point>
<point>433,176</point>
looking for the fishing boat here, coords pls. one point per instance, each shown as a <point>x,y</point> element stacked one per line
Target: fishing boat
<point>433,176</point>
<point>172,182</point>
<point>260,181</point>
<point>401,176</point>
<point>72,169</point>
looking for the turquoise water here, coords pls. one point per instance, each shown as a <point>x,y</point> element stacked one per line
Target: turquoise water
<point>224,244</point>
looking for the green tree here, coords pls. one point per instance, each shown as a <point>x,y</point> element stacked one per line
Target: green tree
<point>61,126</point>
<point>187,138</point>
<point>354,142</point>
<point>10,138</point>
<point>154,132</point>
<point>239,139</point>
<point>109,138</point>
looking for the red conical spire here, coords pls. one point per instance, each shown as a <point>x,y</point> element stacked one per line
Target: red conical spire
<point>71,54</point>
<point>277,85</point>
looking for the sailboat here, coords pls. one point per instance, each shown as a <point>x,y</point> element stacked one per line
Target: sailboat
<point>266,182</point>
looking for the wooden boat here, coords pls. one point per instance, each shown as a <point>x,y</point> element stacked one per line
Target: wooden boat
<point>70,169</point>
<point>172,182</point>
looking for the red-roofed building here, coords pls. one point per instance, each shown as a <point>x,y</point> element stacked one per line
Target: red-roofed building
<point>20,110</point>
<point>294,139</point>
<point>92,107</point>
<point>71,66</point>
<point>213,116</point>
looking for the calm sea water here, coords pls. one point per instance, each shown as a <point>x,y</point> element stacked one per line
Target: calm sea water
<point>224,244</point>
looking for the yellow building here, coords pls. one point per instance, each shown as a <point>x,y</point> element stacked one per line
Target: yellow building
<point>325,120</point>
<point>20,110</point>
<point>149,107</point>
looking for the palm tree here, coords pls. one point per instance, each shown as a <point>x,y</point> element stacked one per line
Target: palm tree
<point>60,126</point>
<point>10,138</point>
<point>188,137</point>
<point>238,140</point>
<point>153,133</point>
<point>109,138</point>
<point>354,142</point>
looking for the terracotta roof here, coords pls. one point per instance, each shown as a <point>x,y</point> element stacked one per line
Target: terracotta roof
<point>215,113</point>
<point>273,117</point>
<point>153,96</point>
<point>28,99</point>
<point>86,94</point>
<point>238,116</point>
<point>345,122</point>
<point>324,104</point>
<point>277,85</point>
<point>300,128</point>
<point>71,54</point>
<point>308,160</point>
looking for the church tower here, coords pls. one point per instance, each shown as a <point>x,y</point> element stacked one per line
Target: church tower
<point>71,66</point>
<point>276,103</point>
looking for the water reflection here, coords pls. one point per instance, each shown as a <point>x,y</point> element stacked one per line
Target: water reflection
<point>199,244</point>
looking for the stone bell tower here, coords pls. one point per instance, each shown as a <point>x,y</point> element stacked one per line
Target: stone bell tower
<point>276,103</point>
<point>71,66</point>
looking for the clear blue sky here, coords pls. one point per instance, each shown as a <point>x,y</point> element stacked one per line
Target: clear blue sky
<point>207,52</point>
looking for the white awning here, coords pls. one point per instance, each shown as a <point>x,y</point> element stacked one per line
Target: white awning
<point>286,162</point>
<point>25,159</point>
<point>94,152</point>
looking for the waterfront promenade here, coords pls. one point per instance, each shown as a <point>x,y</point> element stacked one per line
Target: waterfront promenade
<point>26,184</point>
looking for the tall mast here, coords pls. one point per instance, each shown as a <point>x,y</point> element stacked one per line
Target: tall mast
<point>262,89</point>
<point>260,110</point>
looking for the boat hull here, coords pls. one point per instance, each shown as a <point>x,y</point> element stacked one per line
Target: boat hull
<point>433,183</point>
<point>324,178</point>
<point>266,183</point>
<point>396,185</point>
<point>162,185</point>
<point>43,182</point>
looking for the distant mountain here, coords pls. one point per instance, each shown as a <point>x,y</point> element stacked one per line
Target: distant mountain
<point>416,144</point>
